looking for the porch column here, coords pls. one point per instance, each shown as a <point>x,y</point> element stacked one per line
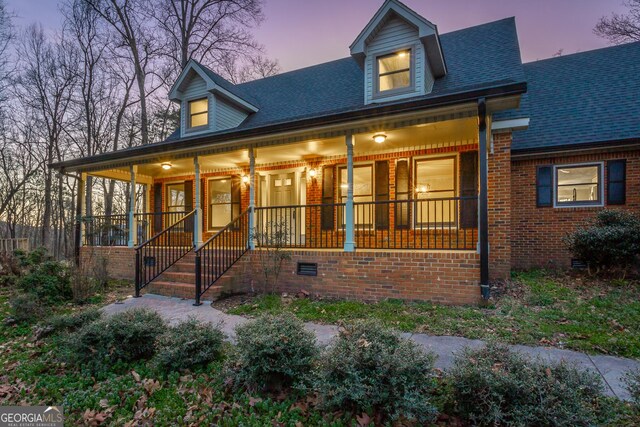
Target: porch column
<point>252,197</point>
<point>349,238</point>
<point>79,215</point>
<point>197,229</point>
<point>132,208</point>
<point>483,203</point>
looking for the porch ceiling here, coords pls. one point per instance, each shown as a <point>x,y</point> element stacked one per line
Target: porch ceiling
<point>412,137</point>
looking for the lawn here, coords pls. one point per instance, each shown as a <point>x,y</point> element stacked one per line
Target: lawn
<point>535,308</point>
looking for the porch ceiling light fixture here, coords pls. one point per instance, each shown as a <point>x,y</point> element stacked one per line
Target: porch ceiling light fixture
<point>166,166</point>
<point>380,138</point>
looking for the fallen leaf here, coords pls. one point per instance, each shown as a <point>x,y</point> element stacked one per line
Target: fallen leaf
<point>136,376</point>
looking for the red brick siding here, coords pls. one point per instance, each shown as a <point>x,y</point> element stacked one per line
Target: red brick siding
<point>537,232</point>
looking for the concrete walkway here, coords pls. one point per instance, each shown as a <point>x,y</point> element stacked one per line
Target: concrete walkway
<point>173,310</point>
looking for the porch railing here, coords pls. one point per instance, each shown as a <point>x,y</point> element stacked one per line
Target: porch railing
<point>421,224</point>
<point>220,252</point>
<point>151,223</point>
<point>303,226</point>
<point>157,254</point>
<point>106,230</point>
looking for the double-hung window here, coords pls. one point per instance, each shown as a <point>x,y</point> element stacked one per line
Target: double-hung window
<point>222,206</point>
<point>435,189</point>
<point>578,185</point>
<point>198,113</point>
<point>394,71</point>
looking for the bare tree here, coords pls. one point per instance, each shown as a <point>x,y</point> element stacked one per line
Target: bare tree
<point>621,28</point>
<point>6,38</point>
<point>252,68</point>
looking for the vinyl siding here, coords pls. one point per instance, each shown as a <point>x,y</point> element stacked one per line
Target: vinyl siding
<point>196,88</point>
<point>396,34</point>
<point>227,116</point>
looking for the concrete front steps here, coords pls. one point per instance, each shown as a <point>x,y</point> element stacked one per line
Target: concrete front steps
<point>180,281</point>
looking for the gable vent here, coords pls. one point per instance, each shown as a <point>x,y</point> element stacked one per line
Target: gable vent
<point>307,269</point>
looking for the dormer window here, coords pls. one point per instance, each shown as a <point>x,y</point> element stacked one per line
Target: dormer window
<point>198,113</point>
<point>394,72</point>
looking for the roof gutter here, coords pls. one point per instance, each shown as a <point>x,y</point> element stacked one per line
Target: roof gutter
<point>507,89</point>
<point>578,148</point>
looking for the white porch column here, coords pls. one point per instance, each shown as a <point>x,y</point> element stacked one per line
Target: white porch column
<point>349,236</point>
<point>197,222</point>
<point>252,197</point>
<point>132,208</point>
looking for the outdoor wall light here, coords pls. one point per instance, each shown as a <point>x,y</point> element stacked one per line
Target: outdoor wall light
<point>166,166</point>
<point>379,138</point>
<point>423,188</point>
<point>312,173</point>
<point>245,179</point>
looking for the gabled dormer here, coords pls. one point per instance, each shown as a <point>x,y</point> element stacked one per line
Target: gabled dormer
<point>208,102</point>
<point>400,53</point>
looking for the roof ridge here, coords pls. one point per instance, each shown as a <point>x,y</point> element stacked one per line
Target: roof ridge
<point>584,52</point>
<point>295,71</point>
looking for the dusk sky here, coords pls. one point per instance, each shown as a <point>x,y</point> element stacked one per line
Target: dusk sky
<point>302,33</point>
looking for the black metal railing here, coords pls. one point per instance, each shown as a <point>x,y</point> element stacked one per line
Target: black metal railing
<point>303,226</point>
<point>164,249</point>
<point>106,230</point>
<point>220,252</point>
<point>152,223</point>
<point>434,223</point>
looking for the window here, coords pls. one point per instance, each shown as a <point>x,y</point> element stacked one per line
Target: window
<point>222,206</point>
<point>394,71</point>
<point>362,192</point>
<point>435,189</point>
<point>198,113</point>
<point>578,185</point>
<point>175,197</point>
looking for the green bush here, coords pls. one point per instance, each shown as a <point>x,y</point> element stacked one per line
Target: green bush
<point>49,282</point>
<point>273,353</point>
<point>73,322</point>
<point>609,242</point>
<point>632,381</point>
<point>124,337</point>
<point>26,309</point>
<point>370,368</point>
<point>494,386</point>
<point>189,344</point>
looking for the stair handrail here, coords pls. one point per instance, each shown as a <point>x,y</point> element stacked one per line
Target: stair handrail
<point>142,278</point>
<point>233,239</point>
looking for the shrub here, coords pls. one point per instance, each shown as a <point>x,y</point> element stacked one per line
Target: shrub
<point>73,322</point>
<point>372,369</point>
<point>494,386</point>
<point>49,282</point>
<point>274,352</point>
<point>632,381</point>
<point>608,242</point>
<point>127,336</point>
<point>189,344</point>
<point>25,308</point>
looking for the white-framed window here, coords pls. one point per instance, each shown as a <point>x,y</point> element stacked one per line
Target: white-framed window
<point>436,186</point>
<point>578,185</point>
<point>175,198</point>
<point>198,113</point>
<point>222,208</point>
<point>362,192</point>
<point>394,72</point>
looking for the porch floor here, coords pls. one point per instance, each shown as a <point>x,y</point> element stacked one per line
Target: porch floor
<point>612,369</point>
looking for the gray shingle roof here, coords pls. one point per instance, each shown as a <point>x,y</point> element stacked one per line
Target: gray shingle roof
<point>581,98</point>
<point>477,57</point>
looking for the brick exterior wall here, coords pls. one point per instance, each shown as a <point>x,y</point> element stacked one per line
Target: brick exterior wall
<point>121,260</point>
<point>536,232</point>
<point>499,208</point>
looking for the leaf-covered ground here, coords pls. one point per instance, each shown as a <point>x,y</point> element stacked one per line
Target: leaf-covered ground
<point>535,308</point>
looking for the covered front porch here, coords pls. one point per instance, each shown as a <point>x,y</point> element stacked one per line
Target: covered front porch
<point>410,186</point>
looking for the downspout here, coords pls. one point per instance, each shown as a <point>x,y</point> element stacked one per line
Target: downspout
<point>483,232</point>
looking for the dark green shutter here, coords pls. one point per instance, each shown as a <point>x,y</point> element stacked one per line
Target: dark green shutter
<point>188,204</point>
<point>328,197</point>
<point>544,186</point>
<point>402,193</point>
<point>382,194</point>
<point>157,208</point>
<point>616,182</point>
<point>469,189</point>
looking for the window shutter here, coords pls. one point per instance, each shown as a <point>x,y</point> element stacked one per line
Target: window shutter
<point>328,197</point>
<point>469,189</point>
<point>382,194</point>
<point>402,193</point>
<point>157,208</point>
<point>188,204</point>
<point>236,196</point>
<point>544,186</point>
<point>616,182</point>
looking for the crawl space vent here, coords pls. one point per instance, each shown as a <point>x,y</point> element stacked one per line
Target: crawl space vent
<point>307,269</point>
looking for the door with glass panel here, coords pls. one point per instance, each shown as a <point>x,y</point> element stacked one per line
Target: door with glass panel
<point>175,203</point>
<point>283,221</point>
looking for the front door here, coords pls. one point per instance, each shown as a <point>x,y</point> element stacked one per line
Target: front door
<point>283,220</point>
